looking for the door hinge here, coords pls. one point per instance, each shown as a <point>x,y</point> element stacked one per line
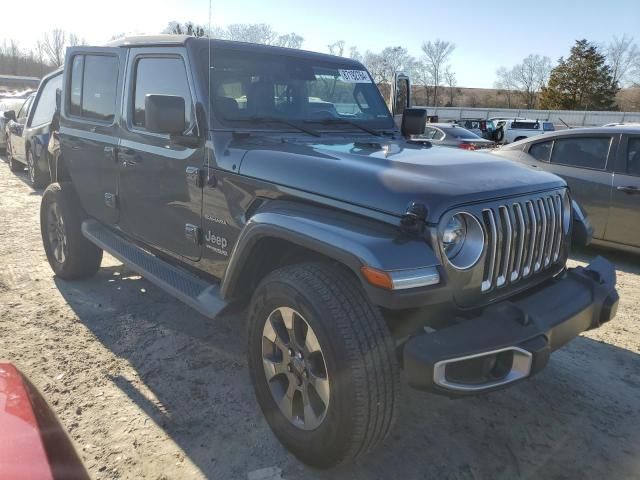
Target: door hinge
<point>193,233</point>
<point>196,176</point>
<point>111,200</point>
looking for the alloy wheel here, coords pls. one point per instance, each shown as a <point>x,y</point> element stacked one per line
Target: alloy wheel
<point>295,368</point>
<point>57,233</point>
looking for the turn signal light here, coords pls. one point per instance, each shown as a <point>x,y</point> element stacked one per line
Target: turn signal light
<point>377,278</point>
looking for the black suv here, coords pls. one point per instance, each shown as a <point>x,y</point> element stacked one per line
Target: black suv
<point>29,132</point>
<point>232,173</point>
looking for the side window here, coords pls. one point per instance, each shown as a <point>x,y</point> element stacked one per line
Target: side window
<point>633,156</point>
<point>583,152</point>
<point>99,87</point>
<point>94,80</point>
<point>46,106</point>
<point>541,151</point>
<point>438,135</point>
<point>164,76</point>
<point>429,132</point>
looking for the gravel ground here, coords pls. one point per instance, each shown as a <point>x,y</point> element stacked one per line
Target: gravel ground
<point>149,389</point>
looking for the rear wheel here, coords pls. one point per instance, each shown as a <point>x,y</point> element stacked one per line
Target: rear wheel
<point>37,177</point>
<point>322,363</point>
<point>70,254</point>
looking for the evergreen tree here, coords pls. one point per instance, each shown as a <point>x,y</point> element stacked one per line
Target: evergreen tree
<point>581,82</point>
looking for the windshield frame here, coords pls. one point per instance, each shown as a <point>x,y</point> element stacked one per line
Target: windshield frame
<point>316,60</point>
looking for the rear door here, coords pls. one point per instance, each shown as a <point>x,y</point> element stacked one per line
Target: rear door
<point>624,214</point>
<point>160,194</point>
<point>89,126</point>
<point>586,163</point>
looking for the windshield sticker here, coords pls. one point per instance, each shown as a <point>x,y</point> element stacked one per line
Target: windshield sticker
<point>354,76</point>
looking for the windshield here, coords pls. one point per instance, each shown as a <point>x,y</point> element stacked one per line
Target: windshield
<point>250,87</point>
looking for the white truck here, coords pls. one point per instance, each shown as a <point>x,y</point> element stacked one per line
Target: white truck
<point>513,130</point>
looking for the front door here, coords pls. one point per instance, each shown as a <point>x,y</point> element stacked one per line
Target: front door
<point>16,130</point>
<point>624,214</point>
<point>89,126</point>
<point>159,188</point>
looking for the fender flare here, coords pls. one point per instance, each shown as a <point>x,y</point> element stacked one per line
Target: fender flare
<point>349,239</point>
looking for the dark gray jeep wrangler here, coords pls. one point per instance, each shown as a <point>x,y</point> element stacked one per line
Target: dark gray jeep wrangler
<point>231,173</point>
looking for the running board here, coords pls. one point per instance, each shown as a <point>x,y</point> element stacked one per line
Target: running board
<point>192,290</point>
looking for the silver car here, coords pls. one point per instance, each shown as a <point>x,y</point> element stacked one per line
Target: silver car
<point>452,135</point>
<point>6,105</point>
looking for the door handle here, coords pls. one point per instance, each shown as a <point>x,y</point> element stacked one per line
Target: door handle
<point>630,189</point>
<point>130,157</point>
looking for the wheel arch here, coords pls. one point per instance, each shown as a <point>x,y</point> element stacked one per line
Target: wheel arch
<point>282,233</point>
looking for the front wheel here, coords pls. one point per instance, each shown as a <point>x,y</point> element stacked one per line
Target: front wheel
<point>70,254</point>
<point>14,165</point>
<point>322,363</point>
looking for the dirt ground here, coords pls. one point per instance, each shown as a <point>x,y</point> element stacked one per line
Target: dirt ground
<point>149,389</point>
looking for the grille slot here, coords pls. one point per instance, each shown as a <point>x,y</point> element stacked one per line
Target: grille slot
<point>523,238</point>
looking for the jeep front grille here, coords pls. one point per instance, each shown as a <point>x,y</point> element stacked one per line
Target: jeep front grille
<point>523,238</point>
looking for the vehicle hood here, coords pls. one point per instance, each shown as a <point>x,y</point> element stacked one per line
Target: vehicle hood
<point>388,175</point>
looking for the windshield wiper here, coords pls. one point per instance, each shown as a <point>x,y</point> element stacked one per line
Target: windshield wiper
<point>344,121</point>
<point>267,119</point>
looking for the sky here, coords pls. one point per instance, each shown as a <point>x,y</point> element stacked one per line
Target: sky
<point>487,35</point>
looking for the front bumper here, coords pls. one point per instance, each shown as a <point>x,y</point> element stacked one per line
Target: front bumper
<point>513,339</point>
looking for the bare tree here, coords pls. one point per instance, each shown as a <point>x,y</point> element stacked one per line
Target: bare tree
<point>436,56</point>
<point>424,78</point>
<point>505,84</point>
<point>188,28</point>
<point>259,33</point>
<point>530,76</point>
<point>53,46</point>
<point>289,40</point>
<point>337,48</point>
<point>527,78</point>
<point>451,82</point>
<point>623,57</point>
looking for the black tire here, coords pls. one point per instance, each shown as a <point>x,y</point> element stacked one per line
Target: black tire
<point>358,350</point>
<point>80,258</point>
<point>37,177</point>
<point>499,134</point>
<point>14,165</point>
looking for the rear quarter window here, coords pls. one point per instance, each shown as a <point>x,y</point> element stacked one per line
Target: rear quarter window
<point>541,151</point>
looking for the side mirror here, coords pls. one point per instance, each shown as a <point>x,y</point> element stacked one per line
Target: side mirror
<point>10,115</point>
<point>164,114</point>
<point>413,122</point>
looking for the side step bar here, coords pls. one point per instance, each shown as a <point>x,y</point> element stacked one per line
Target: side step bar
<point>192,290</point>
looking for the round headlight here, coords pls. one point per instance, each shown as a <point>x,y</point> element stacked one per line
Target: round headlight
<point>462,240</point>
